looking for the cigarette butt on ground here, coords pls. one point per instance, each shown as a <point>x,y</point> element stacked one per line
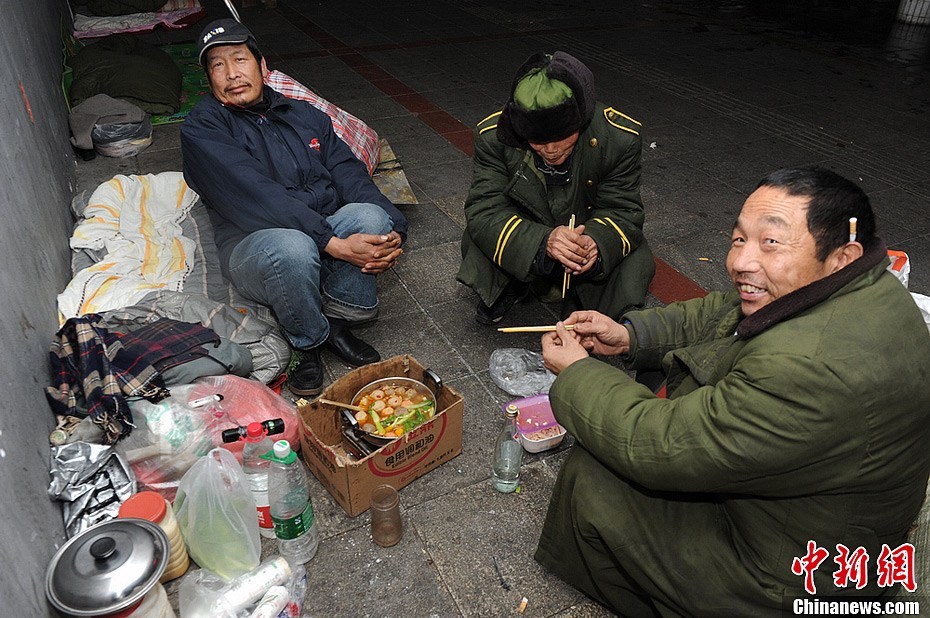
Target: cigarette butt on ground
<point>704,259</point>
<point>522,607</point>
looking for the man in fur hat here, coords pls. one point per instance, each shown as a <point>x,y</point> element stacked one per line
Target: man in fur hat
<point>551,153</point>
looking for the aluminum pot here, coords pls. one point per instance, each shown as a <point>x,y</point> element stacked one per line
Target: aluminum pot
<point>108,568</point>
<point>373,438</point>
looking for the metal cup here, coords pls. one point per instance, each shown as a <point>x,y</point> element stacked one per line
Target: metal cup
<point>386,526</point>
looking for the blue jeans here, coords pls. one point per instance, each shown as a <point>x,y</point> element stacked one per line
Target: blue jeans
<point>284,269</point>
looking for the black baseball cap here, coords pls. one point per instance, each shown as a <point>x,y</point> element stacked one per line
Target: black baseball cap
<point>225,31</point>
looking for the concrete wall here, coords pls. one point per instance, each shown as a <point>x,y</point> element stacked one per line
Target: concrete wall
<point>36,173</point>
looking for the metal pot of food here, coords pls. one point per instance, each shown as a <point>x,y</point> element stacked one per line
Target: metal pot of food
<point>390,407</point>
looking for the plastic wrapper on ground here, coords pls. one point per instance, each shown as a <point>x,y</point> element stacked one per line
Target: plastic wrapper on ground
<point>520,372</point>
<point>92,481</point>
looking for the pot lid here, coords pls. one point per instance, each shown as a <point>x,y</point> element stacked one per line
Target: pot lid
<point>107,568</point>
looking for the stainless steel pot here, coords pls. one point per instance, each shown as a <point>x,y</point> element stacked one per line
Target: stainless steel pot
<point>373,438</point>
<point>107,568</point>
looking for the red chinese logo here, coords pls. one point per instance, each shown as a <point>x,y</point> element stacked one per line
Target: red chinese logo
<point>894,566</point>
<point>852,567</point>
<point>808,564</point>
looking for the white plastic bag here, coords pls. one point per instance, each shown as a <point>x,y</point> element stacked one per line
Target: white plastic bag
<point>216,514</point>
<point>900,266</point>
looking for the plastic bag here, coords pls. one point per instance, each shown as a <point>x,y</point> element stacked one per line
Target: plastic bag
<point>205,594</point>
<point>520,372</point>
<point>170,436</point>
<point>122,139</point>
<point>216,514</point>
<point>173,434</point>
<point>900,266</point>
<point>249,401</point>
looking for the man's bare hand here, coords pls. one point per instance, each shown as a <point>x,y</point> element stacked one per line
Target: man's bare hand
<point>561,348</point>
<point>571,248</point>
<point>373,253</point>
<point>598,333</point>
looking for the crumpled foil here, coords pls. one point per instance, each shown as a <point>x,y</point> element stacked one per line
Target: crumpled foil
<point>92,480</point>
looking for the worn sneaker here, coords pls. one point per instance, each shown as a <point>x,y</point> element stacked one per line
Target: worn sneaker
<point>306,379</point>
<point>495,313</point>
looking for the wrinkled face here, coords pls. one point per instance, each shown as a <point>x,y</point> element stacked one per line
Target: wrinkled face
<point>555,153</point>
<point>235,75</point>
<point>772,251</point>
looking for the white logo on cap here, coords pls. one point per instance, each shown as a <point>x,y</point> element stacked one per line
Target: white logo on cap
<point>213,33</point>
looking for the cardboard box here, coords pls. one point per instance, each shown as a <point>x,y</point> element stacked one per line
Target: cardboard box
<point>409,457</point>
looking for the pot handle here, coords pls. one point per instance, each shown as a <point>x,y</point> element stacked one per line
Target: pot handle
<point>436,380</point>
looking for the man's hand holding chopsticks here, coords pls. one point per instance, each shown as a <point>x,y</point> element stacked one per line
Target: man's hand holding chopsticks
<point>570,247</point>
<point>598,333</point>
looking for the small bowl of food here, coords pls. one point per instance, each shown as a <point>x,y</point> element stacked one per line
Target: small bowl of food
<point>539,431</point>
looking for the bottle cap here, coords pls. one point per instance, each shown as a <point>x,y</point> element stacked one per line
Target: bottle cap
<point>144,505</point>
<point>255,430</point>
<point>512,410</point>
<point>281,453</point>
<point>282,448</point>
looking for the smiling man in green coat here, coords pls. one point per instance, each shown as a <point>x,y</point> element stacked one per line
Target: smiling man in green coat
<point>551,154</point>
<point>794,437</point>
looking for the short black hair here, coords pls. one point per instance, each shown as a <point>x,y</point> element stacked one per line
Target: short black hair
<point>833,201</point>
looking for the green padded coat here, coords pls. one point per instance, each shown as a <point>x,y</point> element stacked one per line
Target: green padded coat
<point>807,421</point>
<point>510,210</point>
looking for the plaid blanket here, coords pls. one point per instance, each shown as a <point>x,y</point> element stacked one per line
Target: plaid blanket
<point>362,139</point>
<point>94,370</point>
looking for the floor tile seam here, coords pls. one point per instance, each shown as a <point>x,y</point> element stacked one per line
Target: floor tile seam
<point>425,545</point>
<point>796,132</point>
<point>432,322</point>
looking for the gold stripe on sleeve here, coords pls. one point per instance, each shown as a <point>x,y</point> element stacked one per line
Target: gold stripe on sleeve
<point>500,258</point>
<point>500,238</point>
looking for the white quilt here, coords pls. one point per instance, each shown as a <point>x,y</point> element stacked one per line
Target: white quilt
<point>136,220</point>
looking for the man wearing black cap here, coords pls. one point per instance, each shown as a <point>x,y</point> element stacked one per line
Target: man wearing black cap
<point>299,224</point>
<point>551,154</point>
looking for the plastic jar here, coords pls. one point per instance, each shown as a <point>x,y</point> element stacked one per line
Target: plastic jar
<point>153,507</point>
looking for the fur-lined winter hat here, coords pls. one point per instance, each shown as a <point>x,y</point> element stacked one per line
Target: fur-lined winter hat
<point>551,97</point>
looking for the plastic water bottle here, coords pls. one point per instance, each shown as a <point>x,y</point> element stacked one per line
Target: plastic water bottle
<point>291,509</point>
<point>257,443</point>
<point>508,453</point>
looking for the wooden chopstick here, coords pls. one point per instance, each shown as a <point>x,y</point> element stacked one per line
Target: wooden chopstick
<point>342,405</point>
<point>567,276</point>
<point>532,329</point>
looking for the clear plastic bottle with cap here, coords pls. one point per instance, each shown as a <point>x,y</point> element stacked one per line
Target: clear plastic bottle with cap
<point>257,443</point>
<point>508,454</point>
<point>291,508</point>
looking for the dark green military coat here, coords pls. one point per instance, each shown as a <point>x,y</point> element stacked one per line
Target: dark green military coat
<point>805,421</point>
<point>510,211</point>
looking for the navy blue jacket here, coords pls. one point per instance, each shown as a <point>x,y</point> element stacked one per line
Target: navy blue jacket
<point>283,167</point>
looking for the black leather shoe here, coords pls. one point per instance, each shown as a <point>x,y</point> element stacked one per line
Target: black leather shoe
<point>347,346</point>
<point>511,295</point>
<point>307,378</point>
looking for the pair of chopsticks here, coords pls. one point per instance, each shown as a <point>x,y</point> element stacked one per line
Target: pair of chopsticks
<point>567,276</point>
<point>531,329</point>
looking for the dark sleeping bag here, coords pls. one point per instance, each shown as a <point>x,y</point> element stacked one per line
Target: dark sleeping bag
<point>124,67</point>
